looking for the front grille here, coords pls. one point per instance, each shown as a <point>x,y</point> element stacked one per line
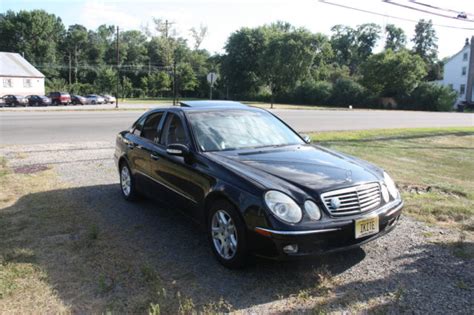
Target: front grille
<point>353,199</point>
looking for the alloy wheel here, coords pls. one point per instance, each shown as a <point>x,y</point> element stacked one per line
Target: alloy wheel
<point>224,234</point>
<point>125,181</point>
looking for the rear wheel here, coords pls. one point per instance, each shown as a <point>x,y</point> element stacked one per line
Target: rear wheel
<point>127,182</point>
<point>226,231</point>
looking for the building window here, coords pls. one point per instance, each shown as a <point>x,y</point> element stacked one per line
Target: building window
<point>7,83</point>
<point>462,89</point>
<point>463,71</point>
<point>464,56</point>
<point>27,83</point>
<point>450,86</point>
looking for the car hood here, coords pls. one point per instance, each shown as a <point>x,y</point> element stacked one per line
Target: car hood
<point>312,169</point>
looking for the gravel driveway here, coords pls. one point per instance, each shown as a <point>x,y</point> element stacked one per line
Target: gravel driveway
<point>413,269</point>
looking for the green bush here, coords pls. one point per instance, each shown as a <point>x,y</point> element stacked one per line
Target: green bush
<point>309,92</point>
<point>430,96</point>
<point>348,92</point>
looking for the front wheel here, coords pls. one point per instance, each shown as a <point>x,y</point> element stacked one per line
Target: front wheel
<point>127,183</point>
<point>226,231</point>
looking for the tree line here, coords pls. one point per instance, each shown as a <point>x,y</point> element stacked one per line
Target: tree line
<point>276,62</point>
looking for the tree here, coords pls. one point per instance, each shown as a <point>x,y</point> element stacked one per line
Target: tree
<point>185,78</point>
<point>395,39</point>
<point>425,41</point>
<point>127,87</point>
<point>354,46</point>
<point>392,74</point>
<point>286,59</point>
<point>240,63</point>
<point>76,43</point>
<point>36,34</point>
<point>106,80</point>
<point>198,35</point>
<point>366,38</point>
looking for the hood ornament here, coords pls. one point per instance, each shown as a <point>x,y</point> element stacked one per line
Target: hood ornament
<point>335,203</point>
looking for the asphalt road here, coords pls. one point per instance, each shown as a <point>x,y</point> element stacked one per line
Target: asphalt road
<point>27,127</point>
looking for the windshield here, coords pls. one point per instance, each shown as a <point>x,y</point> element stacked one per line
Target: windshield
<point>239,129</point>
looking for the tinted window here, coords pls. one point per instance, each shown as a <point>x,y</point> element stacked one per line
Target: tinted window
<point>150,129</point>
<point>239,129</point>
<point>173,131</point>
<point>137,128</point>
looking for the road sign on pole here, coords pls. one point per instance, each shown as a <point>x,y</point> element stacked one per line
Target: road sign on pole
<point>211,78</point>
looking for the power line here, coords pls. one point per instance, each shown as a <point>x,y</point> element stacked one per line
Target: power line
<point>390,16</point>
<point>392,2</point>
<point>439,8</point>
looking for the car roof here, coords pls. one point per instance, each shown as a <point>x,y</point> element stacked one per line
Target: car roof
<point>211,104</point>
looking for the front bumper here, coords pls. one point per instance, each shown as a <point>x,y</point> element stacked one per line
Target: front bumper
<point>335,237</point>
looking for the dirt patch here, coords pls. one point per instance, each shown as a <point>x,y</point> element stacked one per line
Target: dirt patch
<point>420,189</point>
<point>30,169</point>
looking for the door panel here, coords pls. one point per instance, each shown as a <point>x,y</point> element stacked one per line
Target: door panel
<point>184,182</point>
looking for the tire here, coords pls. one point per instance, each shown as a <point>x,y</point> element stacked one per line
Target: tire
<point>127,182</point>
<point>225,225</point>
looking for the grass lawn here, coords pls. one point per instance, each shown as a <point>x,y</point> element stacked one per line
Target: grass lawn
<point>433,167</point>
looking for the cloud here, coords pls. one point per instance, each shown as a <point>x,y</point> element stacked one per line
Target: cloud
<point>96,13</point>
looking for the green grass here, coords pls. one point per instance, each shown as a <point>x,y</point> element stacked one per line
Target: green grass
<point>433,167</point>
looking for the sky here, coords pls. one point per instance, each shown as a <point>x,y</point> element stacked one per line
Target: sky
<point>222,17</point>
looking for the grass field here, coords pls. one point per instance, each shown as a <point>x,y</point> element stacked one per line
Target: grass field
<point>433,167</point>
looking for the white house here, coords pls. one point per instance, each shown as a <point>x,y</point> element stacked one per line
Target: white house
<point>459,73</point>
<point>18,76</point>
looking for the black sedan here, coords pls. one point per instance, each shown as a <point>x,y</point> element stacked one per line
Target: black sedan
<point>15,100</point>
<point>257,186</point>
<point>38,100</point>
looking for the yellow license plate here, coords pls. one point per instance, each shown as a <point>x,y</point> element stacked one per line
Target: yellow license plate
<point>365,227</point>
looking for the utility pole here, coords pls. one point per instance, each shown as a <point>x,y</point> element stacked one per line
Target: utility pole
<point>174,82</point>
<point>167,26</point>
<point>69,68</point>
<point>118,72</point>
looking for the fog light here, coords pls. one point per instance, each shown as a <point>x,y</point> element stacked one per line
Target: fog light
<point>291,249</point>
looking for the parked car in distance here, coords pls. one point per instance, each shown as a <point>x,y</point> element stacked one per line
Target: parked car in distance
<point>256,185</point>
<point>78,100</point>
<point>94,99</point>
<point>109,98</point>
<point>60,98</point>
<point>15,100</point>
<point>38,100</point>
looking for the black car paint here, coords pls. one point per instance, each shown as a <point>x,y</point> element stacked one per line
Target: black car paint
<point>243,176</point>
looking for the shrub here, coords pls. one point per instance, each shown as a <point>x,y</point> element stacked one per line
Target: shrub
<point>348,92</point>
<point>317,93</point>
<point>430,96</point>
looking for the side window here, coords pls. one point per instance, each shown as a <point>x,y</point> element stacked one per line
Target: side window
<point>150,129</point>
<point>173,131</point>
<point>137,128</point>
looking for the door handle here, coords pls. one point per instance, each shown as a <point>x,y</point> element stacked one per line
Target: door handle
<point>154,156</point>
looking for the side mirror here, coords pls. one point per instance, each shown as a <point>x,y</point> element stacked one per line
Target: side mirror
<point>306,138</point>
<point>177,149</point>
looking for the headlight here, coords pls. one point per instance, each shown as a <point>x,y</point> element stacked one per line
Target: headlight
<point>283,207</point>
<point>312,210</point>
<point>392,189</point>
